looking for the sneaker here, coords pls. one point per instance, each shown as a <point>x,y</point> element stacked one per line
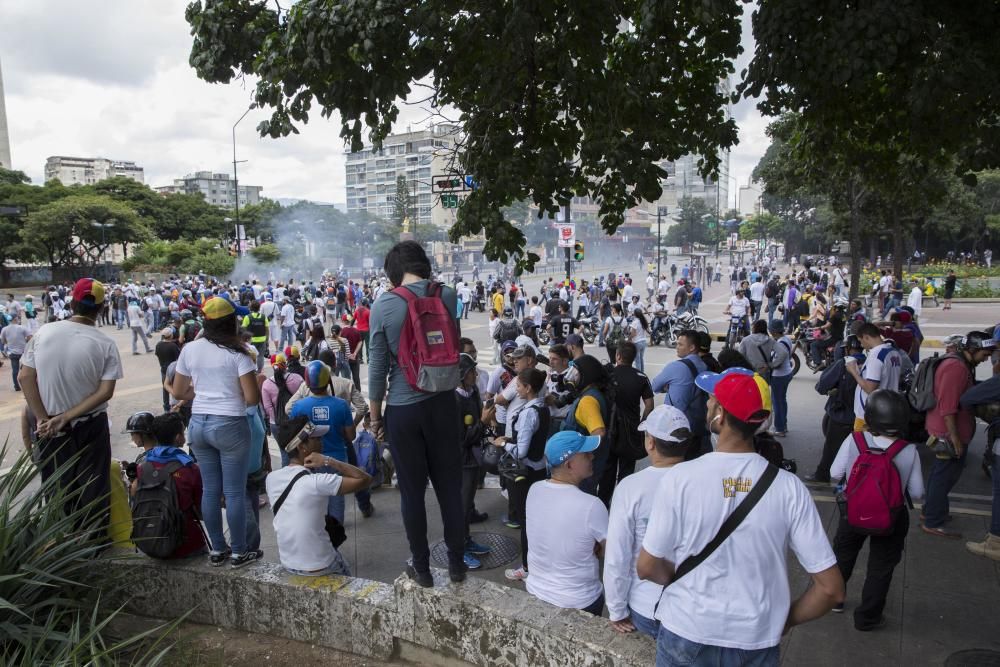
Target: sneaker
<point>471,561</point>
<point>941,532</point>
<point>473,547</point>
<point>217,558</point>
<point>838,609</point>
<point>874,626</point>
<point>503,493</point>
<point>510,523</point>
<point>478,517</point>
<point>368,511</point>
<point>423,579</point>
<point>518,574</point>
<point>815,479</point>
<point>245,558</point>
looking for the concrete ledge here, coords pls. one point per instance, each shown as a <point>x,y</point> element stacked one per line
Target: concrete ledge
<point>477,622</point>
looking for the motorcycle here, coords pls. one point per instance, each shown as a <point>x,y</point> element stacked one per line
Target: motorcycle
<point>735,332</point>
<point>803,336</point>
<point>688,320</point>
<point>590,328</point>
<point>661,328</point>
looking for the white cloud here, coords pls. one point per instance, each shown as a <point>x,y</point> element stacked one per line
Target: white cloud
<point>109,78</point>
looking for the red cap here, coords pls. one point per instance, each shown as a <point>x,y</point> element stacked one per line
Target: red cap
<point>743,394</point>
<point>88,290</point>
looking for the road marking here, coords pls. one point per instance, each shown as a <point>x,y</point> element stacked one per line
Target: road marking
<point>954,510</point>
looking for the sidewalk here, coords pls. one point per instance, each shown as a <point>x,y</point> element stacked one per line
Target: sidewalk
<point>943,599</point>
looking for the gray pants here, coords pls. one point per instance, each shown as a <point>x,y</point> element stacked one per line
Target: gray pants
<point>137,332</point>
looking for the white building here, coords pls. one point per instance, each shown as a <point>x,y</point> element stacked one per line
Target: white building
<point>89,170</point>
<point>750,195</point>
<point>419,155</point>
<point>4,137</point>
<point>217,189</point>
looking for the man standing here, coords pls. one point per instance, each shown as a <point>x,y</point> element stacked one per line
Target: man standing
<point>677,381</point>
<point>722,609</point>
<point>882,369</point>
<point>756,298</point>
<point>953,426</point>
<point>631,388</point>
<point>915,300</point>
<point>423,428</point>
<point>257,325</point>
<point>137,323</point>
<point>631,601</point>
<point>287,318</point>
<point>68,374</point>
<point>14,338</point>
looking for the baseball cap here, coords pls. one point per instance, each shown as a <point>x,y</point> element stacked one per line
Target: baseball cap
<point>217,307</point>
<point>317,375</point>
<point>88,290</point>
<point>507,346</point>
<point>278,359</point>
<point>667,423</point>
<point>310,430</point>
<point>743,394</point>
<point>574,339</point>
<point>465,364</point>
<point>565,444</point>
<point>293,351</point>
<point>523,351</point>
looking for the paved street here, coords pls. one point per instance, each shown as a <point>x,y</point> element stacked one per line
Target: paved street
<point>943,599</point>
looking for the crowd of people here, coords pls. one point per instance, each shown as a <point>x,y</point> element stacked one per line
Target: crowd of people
<point>254,366</point>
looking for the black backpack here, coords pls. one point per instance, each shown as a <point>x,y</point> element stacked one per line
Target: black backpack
<point>626,440</point>
<point>284,395</point>
<point>157,519</point>
<point>771,289</point>
<point>509,330</point>
<point>258,325</point>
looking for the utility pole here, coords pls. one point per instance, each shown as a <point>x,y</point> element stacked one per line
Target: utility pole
<point>660,212</point>
<point>236,183</point>
<point>569,253</point>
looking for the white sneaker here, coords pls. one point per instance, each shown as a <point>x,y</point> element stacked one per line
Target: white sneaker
<point>503,492</point>
<point>516,575</point>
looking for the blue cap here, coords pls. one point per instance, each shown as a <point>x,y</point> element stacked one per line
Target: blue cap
<point>565,444</point>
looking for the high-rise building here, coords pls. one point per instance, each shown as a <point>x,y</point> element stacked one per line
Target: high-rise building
<point>750,194</point>
<point>217,189</point>
<point>4,136</point>
<point>89,170</point>
<point>419,156</point>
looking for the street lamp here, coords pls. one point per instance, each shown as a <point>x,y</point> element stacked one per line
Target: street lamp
<point>104,247</point>
<point>236,182</point>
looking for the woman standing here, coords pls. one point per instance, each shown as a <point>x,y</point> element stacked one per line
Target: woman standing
<point>218,374</point>
<point>639,328</point>
<point>315,343</point>
<point>340,348</point>
<point>613,332</point>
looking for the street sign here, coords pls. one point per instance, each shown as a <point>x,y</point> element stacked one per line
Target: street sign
<point>567,235</point>
<point>453,183</point>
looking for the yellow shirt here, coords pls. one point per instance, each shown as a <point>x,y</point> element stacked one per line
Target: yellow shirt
<point>588,414</point>
<point>498,303</point>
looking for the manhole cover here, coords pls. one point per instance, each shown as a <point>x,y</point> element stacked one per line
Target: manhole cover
<point>502,550</point>
<point>974,657</point>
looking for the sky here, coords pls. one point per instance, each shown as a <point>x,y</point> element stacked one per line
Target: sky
<point>110,78</point>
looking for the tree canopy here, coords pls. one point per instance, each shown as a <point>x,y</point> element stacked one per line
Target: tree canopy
<point>555,99</point>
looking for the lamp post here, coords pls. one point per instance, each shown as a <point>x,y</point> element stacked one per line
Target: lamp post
<point>236,182</point>
<point>104,248</point>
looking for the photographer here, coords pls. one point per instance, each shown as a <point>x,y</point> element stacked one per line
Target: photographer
<point>560,386</point>
<point>299,500</point>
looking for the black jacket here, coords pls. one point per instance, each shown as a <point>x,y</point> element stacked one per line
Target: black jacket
<point>470,410</point>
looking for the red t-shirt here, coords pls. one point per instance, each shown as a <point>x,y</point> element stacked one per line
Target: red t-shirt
<point>353,337</point>
<point>187,481</point>
<point>361,317</point>
<point>951,379</point>
<point>901,337</point>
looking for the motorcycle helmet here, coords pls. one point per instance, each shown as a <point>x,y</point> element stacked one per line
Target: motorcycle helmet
<point>508,312</point>
<point>887,413</point>
<point>979,340</point>
<point>140,422</point>
<point>840,302</point>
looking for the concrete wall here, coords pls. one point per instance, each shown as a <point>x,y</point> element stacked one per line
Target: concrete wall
<point>478,622</point>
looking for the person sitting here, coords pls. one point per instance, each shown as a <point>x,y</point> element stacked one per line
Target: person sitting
<point>566,528</point>
<point>299,497</point>
<point>168,433</point>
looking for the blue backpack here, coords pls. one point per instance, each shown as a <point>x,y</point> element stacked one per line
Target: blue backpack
<point>369,457</point>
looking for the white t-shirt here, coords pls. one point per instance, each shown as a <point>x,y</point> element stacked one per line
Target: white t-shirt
<point>71,361</point>
<point>739,596</point>
<point>663,287</point>
<point>535,313</point>
<point>300,524</point>
<point>885,372</point>
<point>563,525</point>
<point>287,315</point>
<point>215,373</point>
<point>136,318</point>
<point>907,462</point>
<point>495,386</point>
<point>738,307</point>
<point>757,291</point>
<point>630,509</point>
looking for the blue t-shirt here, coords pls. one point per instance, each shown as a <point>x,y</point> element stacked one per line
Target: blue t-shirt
<point>327,411</point>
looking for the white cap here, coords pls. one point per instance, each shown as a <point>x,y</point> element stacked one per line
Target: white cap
<point>525,341</point>
<point>663,422</point>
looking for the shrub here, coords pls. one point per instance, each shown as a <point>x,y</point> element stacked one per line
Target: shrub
<point>50,607</point>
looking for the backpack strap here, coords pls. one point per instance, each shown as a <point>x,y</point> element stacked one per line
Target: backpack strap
<point>895,448</point>
<point>731,523</point>
<point>860,441</point>
<point>149,470</point>
<point>284,494</point>
<point>691,367</point>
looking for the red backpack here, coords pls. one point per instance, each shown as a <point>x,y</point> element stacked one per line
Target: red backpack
<point>874,491</point>
<point>428,342</point>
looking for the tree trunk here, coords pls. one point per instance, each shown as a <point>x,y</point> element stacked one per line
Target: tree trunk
<point>855,241</point>
<point>898,246</point>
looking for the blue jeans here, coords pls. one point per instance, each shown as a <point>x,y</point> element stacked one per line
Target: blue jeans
<point>779,399</point>
<point>287,334</point>
<point>338,566</point>
<point>253,518</point>
<point>15,366</point>
<point>772,305</point>
<point>674,650</point>
<point>890,303</point>
<point>944,475</point>
<point>519,305</point>
<point>647,626</point>
<point>221,445</point>
<point>121,317</point>
<point>640,353</point>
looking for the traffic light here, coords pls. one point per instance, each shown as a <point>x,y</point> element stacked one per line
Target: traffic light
<point>578,251</point>
<point>449,201</point>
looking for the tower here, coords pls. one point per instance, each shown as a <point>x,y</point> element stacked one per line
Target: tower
<point>4,137</point>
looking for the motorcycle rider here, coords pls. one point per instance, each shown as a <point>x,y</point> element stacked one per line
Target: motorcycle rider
<point>832,332</point>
